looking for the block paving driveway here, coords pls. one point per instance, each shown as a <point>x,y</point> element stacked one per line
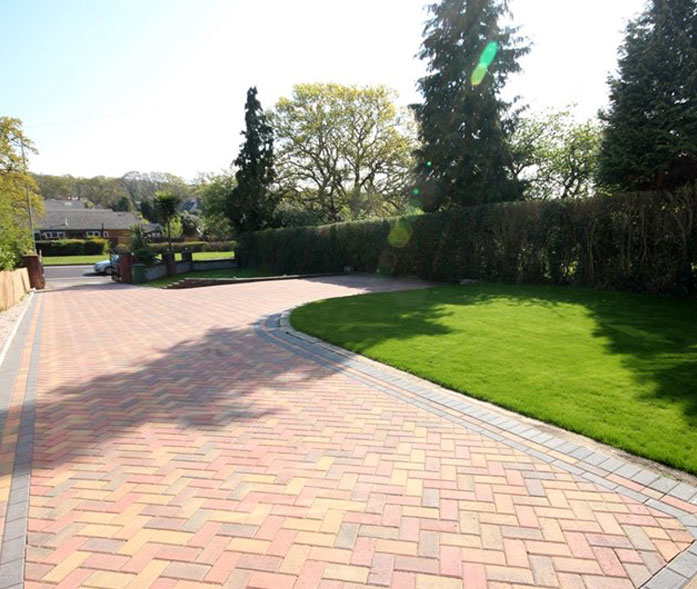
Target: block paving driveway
<point>155,438</point>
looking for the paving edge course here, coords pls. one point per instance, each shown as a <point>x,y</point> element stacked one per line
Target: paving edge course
<point>639,482</point>
<point>8,343</point>
<point>14,534</point>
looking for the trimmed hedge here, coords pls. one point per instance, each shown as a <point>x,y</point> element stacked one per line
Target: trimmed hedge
<point>637,242</point>
<point>195,246</point>
<point>73,247</point>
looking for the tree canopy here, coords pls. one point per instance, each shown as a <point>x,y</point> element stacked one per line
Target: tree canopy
<point>344,151</point>
<point>650,139</point>
<point>555,156</point>
<point>15,236</point>
<point>464,124</point>
<point>165,205</point>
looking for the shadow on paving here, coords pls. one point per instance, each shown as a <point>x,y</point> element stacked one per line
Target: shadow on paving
<point>199,386</point>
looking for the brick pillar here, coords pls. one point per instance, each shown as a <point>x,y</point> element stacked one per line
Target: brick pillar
<point>188,257</point>
<point>126,267</point>
<point>35,268</point>
<point>170,263</point>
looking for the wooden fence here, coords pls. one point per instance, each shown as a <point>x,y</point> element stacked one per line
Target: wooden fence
<point>13,286</point>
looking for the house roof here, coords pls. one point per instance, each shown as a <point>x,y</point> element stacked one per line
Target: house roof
<point>85,219</point>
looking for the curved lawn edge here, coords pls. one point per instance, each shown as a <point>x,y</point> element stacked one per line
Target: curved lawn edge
<point>376,335</point>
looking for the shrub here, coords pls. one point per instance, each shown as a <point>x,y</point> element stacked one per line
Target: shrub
<point>8,258</point>
<point>638,242</point>
<point>73,247</point>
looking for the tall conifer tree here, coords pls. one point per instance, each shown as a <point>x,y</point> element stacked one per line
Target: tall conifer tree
<point>650,140</point>
<point>464,124</point>
<point>251,203</point>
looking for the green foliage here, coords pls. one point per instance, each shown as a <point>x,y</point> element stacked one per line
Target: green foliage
<point>191,224</point>
<point>73,247</point>
<point>142,250</point>
<point>8,258</point>
<point>650,139</point>
<point>251,203</point>
<point>464,124</point>
<point>216,228</point>
<point>148,211</point>
<point>638,242</point>
<point>123,204</point>
<point>142,187</point>
<point>619,368</point>
<point>555,156</point>
<point>165,205</point>
<point>176,227</point>
<point>15,236</point>
<point>100,190</point>
<point>344,153</point>
<point>215,192</point>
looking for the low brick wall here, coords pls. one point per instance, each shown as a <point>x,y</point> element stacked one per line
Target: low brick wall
<point>155,272</point>
<point>13,286</point>
<point>160,270</point>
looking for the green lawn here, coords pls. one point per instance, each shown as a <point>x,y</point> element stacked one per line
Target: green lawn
<point>616,367</point>
<point>63,260</point>
<point>233,273</point>
<point>67,260</point>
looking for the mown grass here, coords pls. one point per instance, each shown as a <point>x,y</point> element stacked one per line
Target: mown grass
<point>233,273</point>
<point>619,368</point>
<point>73,260</point>
<point>68,260</point>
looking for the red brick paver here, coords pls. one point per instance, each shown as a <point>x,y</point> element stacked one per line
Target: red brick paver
<point>175,447</point>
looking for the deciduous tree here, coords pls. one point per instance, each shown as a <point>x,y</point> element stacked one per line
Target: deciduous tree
<point>344,151</point>
<point>15,236</point>
<point>555,156</point>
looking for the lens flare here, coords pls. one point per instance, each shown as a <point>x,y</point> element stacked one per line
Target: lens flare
<point>428,164</point>
<point>416,192</point>
<point>478,74</point>
<point>400,234</point>
<point>485,60</point>
<point>489,53</point>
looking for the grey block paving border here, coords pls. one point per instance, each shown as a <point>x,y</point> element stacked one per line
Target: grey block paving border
<point>14,537</point>
<point>589,465</point>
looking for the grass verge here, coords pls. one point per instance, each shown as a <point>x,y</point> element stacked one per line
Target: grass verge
<point>619,368</point>
<point>68,260</point>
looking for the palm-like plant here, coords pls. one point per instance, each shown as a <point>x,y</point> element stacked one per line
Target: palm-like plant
<point>165,205</point>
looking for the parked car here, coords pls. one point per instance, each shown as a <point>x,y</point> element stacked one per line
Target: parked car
<point>107,267</point>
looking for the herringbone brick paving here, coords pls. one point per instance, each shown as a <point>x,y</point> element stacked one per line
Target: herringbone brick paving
<point>174,447</point>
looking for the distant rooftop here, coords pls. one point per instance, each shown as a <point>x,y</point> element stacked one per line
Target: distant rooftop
<point>81,219</point>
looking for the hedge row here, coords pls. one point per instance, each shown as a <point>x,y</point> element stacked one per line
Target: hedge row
<point>73,247</point>
<point>195,246</point>
<point>637,242</point>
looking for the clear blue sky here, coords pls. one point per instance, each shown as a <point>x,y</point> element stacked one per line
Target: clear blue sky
<point>104,87</point>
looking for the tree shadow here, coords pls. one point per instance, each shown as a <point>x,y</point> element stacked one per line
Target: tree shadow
<point>199,386</point>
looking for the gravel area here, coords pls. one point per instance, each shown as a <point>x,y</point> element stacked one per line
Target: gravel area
<point>9,318</point>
